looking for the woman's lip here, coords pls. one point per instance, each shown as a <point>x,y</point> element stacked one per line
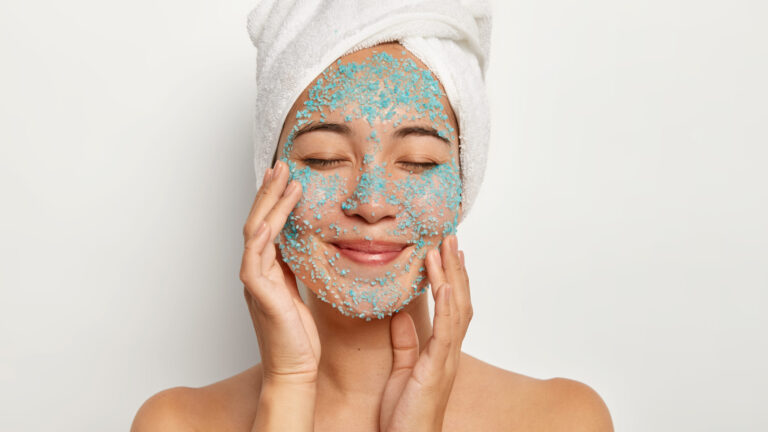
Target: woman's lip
<point>370,246</point>
<point>371,253</point>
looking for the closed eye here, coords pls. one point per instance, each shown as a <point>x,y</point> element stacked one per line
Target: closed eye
<point>315,162</point>
<point>322,162</point>
<point>418,165</point>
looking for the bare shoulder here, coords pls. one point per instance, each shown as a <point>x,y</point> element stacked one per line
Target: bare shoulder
<point>575,406</point>
<point>165,411</point>
<point>225,405</point>
<point>486,397</point>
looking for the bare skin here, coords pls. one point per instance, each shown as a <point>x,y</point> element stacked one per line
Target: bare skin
<point>484,398</point>
<point>350,376</point>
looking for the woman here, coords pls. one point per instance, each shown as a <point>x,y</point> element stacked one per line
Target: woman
<point>359,214</point>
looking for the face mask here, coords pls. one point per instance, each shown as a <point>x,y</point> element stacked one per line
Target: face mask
<point>376,154</point>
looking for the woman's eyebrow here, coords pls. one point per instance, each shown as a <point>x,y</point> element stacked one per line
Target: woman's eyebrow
<point>331,127</point>
<point>419,130</point>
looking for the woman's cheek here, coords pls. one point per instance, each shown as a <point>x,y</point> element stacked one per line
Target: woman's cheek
<point>298,240</point>
<point>431,205</point>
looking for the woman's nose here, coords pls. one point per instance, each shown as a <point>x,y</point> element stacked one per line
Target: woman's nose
<point>372,198</point>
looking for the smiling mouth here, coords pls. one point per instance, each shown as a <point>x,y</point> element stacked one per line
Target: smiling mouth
<point>369,252</point>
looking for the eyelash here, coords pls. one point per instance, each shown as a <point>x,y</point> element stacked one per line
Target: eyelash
<point>419,165</point>
<point>332,162</point>
<point>322,162</point>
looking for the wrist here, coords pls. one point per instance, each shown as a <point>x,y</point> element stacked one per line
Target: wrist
<point>286,406</point>
<point>286,387</point>
<point>302,380</point>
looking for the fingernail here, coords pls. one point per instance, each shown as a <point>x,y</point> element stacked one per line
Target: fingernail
<point>278,168</point>
<point>461,256</point>
<point>455,244</point>
<point>438,257</point>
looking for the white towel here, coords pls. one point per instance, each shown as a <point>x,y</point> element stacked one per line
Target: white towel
<point>296,40</point>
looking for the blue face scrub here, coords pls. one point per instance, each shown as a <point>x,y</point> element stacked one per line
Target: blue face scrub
<point>385,92</point>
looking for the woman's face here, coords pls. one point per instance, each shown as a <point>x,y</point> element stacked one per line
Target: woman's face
<point>373,141</point>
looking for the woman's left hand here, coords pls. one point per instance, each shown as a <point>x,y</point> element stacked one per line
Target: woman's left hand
<point>419,385</point>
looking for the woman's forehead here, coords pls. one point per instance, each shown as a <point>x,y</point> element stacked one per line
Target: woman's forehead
<point>382,84</point>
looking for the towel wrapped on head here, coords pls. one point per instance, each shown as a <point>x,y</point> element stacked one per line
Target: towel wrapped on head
<point>296,40</point>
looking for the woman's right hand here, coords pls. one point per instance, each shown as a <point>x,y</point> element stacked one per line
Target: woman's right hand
<point>287,335</point>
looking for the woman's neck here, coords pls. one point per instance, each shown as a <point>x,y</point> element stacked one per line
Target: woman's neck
<point>356,355</point>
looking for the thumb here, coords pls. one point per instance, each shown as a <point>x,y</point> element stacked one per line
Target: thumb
<point>405,354</point>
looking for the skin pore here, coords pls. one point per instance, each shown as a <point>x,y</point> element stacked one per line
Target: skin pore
<point>373,142</point>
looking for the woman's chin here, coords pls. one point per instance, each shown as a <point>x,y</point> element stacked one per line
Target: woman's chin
<point>369,302</point>
<point>372,286</point>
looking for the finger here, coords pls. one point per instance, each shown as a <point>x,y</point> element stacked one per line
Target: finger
<point>278,215</point>
<point>288,276</point>
<point>442,326</point>
<point>276,219</point>
<point>268,256</point>
<point>449,254</point>
<point>253,273</point>
<point>264,182</point>
<point>465,276</point>
<point>251,222</point>
<point>435,273</point>
<point>269,194</point>
<point>405,342</point>
<point>267,176</point>
<point>275,269</point>
<point>466,308</point>
<point>250,268</point>
<point>405,354</point>
<point>454,271</point>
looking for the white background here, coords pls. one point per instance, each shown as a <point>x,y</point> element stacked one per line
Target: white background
<point>620,237</point>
